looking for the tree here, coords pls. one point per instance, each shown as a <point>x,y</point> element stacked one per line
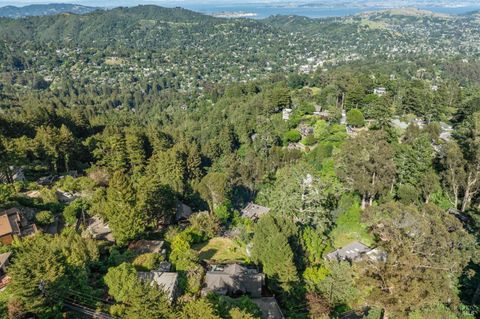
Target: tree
<point>272,250</point>
<point>454,171</point>
<point>427,251</point>
<point>299,191</point>
<point>44,217</point>
<point>199,308</point>
<point>366,164</point>
<point>355,118</point>
<point>48,269</point>
<point>214,189</point>
<point>142,299</point>
<point>125,219</point>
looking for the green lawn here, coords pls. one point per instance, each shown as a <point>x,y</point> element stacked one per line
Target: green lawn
<point>220,249</point>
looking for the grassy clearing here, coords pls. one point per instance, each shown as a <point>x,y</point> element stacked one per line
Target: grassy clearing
<point>221,249</point>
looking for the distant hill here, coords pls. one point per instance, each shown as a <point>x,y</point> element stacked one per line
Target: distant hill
<point>44,10</point>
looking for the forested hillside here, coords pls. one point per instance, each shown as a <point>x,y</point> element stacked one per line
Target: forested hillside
<point>319,168</point>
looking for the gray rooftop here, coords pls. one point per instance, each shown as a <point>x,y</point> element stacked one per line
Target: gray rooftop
<point>254,211</point>
<point>351,252</point>
<point>234,279</point>
<point>269,308</point>
<point>167,281</point>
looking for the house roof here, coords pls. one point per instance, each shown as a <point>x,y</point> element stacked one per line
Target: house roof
<point>254,211</point>
<point>167,281</point>
<point>99,229</point>
<point>269,308</point>
<point>233,279</point>
<point>5,226</point>
<point>146,246</point>
<point>352,251</point>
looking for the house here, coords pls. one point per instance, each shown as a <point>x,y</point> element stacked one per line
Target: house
<point>66,197</point>
<point>305,130</point>
<point>147,247</point>
<point>254,211</point>
<point>397,123</point>
<point>380,91</point>
<point>166,281</point>
<point>357,251</point>
<point>4,262</point>
<point>269,308</point>
<point>47,180</point>
<point>183,211</point>
<point>234,279</point>
<point>98,229</point>
<point>286,114</point>
<point>13,223</point>
<point>446,131</point>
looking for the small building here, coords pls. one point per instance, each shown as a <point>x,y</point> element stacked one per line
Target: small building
<point>47,180</point>
<point>98,229</point>
<point>166,281</point>
<point>147,247</point>
<point>234,280</point>
<point>446,131</point>
<point>254,211</point>
<point>269,308</point>
<point>286,114</point>
<point>399,124</point>
<point>356,251</point>
<point>183,211</point>
<point>13,223</point>
<point>306,130</point>
<point>380,91</point>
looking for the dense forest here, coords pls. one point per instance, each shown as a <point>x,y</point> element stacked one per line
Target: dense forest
<point>359,131</point>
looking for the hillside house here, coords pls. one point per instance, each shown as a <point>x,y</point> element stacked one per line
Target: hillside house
<point>13,223</point>
<point>98,229</point>
<point>357,251</point>
<point>234,280</point>
<point>254,211</point>
<point>269,308</point>
<point>166,281</point>
<point>380,91</point>
<point>286,114</point>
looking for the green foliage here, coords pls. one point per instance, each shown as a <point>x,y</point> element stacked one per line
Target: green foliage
<point>204,225</point>
<point>199,308</point>
<point>74,209</point>
<point>147,262</point>
<point>235,308</point>
<point>407,194</point>
<point>355,118</point>
<point>291,136</point>
<point>349,228</point>
<point>223,213</point>
<point>309,140</point>
<point>313,276</point>
<point>59,265</point>
<point>142,300</point>
<point>44,217</point>
<point>271,248</point>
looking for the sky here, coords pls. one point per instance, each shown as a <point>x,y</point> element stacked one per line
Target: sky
<point>114,3</point>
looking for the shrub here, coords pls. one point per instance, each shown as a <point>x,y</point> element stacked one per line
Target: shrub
<point>147,262</point>
<point>291,136</point>
<point>45,217</point>
<point>309,140</point>
<point>355,118</point>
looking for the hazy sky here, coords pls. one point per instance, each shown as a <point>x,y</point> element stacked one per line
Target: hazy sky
<point>113,3</point>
